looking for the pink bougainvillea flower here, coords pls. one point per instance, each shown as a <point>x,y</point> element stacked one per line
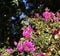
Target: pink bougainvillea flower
<point>47,15</point>
<point>41,54</point>
<point>30,29</point>
<point>10,50</point>
<point>56,19</point>
<point>55,32</point>
<point>34,54</point>
<point>1,54</point>
<point>28,46</point>
<point>20,48</point>
<point>51,14</point>
<point>26,34</point>
<point>15,43</point>
<point>40,16</point>
<point>58,14</point>
<point>37,14</point>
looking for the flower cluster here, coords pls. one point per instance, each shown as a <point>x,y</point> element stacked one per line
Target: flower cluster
<point>27,46</point>
<point>10,50</point>
<point>47,15</point>
<point>27,32</point>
